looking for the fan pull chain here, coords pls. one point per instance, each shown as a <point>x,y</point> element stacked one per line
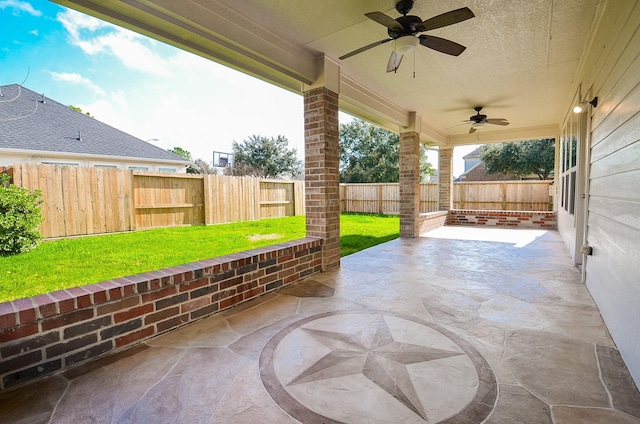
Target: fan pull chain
<point>414,63</point>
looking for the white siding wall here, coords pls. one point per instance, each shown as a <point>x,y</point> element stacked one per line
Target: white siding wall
<point>8,158</point>
<point>613,226</point>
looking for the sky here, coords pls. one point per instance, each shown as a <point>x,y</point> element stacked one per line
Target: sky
<point>144,87</point>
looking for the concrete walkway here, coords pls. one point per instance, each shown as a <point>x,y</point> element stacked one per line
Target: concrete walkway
<point>467,325</point>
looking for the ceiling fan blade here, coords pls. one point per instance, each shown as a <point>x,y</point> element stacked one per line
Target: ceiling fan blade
<point>442,45</point>
<point>472,130</point>
<point>383,19</point>
<point>365,48</point>
<point>394,61</point>
<point>459,125</point>
<point>445,19</point>
<point>497,121</point>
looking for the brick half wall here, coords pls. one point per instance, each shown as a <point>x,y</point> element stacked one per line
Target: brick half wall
<point>53,332</point>
<point>432,220</point>
<point>509,219</point>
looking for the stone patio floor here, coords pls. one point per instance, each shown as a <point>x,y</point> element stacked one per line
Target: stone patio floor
<point>466,325</point>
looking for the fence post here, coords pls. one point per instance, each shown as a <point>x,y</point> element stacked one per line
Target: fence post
<point>206,206</point>
<point>503,189</point>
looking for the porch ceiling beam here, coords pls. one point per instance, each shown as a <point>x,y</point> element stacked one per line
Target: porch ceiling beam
<point>517,134</point>
<point>214,32</point>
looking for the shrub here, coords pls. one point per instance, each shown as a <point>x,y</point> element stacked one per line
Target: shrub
<point>20,216</point>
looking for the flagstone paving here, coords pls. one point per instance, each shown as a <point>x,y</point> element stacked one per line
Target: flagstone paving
<point>465,325</point>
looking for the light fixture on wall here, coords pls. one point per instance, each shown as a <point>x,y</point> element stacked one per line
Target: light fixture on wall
<point>579,108</point>
<point>406,44</point>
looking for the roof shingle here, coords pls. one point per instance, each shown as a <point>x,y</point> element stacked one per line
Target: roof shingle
<point>29,121</point>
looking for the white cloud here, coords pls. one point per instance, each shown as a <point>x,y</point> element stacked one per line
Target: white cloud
<point>75,22</point>
<point>34,32</point>
<point>78,79</point>
<point>94,36</point>
<point>182,100</point>
<point>19,6</point>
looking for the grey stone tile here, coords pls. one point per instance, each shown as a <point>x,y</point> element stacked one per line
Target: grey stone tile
<point>624,393</point>
<point>580,322</point>
<point>311,306</point>
<point>251,344</point>
<point>569,292</point>
<point>208,332</point>
<point>572,415</point>
<point>307,288</point>
<point>190,392</point>
<point>510,312</point>
<point>33,403</point>
<point>556,369</point>
<point>246,402</point>
<point>518,406</point>
<point>102,395</point>
<point>262,314</point>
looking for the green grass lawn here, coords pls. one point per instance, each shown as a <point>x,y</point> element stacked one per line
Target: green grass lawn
<point>66,263</point>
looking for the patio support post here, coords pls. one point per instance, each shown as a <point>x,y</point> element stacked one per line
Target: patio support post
<point>322,157</point>
<point>445,178</point>
<point>410,179</point>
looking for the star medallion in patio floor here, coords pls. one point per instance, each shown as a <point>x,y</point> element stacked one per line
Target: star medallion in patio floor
<point>363,366</point>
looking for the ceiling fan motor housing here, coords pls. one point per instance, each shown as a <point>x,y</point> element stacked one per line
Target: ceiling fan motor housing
<point>404,6</point>
<point>477,118</point>
<point>408,23</point>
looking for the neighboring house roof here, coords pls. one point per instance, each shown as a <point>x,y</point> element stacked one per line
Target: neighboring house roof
<point>29,121</point>
<point>472,154</point>
<point>478,172</point>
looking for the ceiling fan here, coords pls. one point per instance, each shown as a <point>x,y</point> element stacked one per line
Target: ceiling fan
<point>405,31</point>
<point>478,120</point>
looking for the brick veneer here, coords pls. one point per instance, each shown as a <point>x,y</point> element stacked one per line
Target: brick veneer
<point>445,175</point>
<point>515,219</point>
<point>322,176</point>
<point>432,220</point>
<point>46,334</point>
<point>409,184</point>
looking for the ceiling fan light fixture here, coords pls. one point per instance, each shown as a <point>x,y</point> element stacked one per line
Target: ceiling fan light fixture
<point>477,125</point>
<point>406,44</point>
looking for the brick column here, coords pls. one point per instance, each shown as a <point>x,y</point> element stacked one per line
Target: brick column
<point>322,178</point>
<point>445,179</point>
<point>409,184</point>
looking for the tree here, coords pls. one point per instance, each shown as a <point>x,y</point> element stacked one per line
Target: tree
<point>203,167</point>
<point>185,154</point>
<point>265,157</point>
<point>539,157</point>
<point>369,154</point>
<point>77,109</point>
<point>520,158</point>
<point>179,151</point>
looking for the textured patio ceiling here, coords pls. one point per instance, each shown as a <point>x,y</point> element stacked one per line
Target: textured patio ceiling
<point>519,64</point>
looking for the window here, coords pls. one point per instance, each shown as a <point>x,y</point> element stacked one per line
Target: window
<point>61,163</point>
<point>138,168</point>
<point>569,162</point>
<point>167,169</point>
<point>105,166</point>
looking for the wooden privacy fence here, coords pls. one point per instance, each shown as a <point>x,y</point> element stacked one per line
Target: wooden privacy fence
<point>83,201</point>
<point>383,198</point>
<point>483,195</point>
<point>503,195</point>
